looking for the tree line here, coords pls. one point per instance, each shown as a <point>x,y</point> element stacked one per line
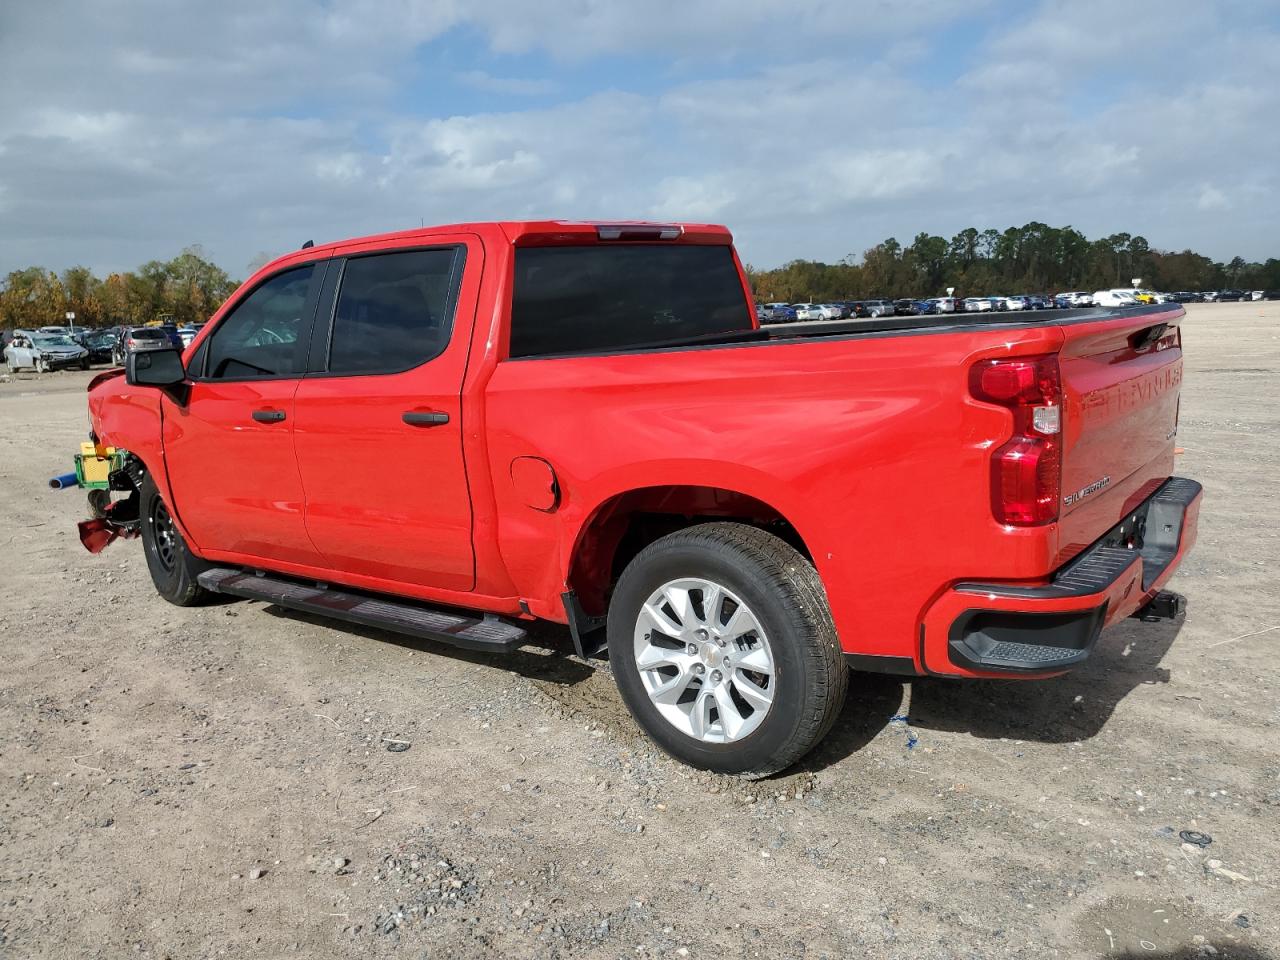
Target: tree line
<point>1035,258</point>
<point>186,289</point>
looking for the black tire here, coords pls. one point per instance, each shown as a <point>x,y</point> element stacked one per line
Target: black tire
<point>84,364</point>
<point>786,595</point>
<point>173,566</point>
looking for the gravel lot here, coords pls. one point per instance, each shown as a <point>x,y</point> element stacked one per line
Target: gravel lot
<point>216,782</point>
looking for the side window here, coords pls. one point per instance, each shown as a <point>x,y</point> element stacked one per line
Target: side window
<point>265,335</point>
<point>394,310</point>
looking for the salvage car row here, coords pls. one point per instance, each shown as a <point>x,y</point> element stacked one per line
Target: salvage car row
<point>58,348</point>
<point>910,307</point>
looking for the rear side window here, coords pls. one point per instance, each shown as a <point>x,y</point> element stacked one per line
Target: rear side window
<point>265,334</point>
<point>613,297</point>
<point>394,310</point>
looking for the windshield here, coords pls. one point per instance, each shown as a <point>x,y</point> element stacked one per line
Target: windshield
<point>51,340</point>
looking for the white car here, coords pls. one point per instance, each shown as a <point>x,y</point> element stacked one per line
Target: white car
<point>187,334</point>
<point>808,311</point>
<point>1016,303</point>
<point>830,311</point>
<point>947,304</point>
<point>1257,294</point>
<point>978,305</point>
<point>1115,298</point>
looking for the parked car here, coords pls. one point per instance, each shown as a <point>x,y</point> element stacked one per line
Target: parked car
<point>782,313</point>
<point>1231,296</point>
<point>101,345</point>
<point>134,339</point>
<point>732,589</point>
<point>1016,303</point>
<point>1257,294</point>
<point>978,304</point>
<point>905,307</point>
<point>947,304</point>
<point>43,352</point>
<point>808,311</point>
<point>1119,297</point>
<point>879,308</point>
<point>1077,298</point>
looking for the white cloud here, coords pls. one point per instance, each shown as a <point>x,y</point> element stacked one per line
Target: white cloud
<point>813,129</point>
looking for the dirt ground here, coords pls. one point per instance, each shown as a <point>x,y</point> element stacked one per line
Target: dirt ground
<point>215,782</point>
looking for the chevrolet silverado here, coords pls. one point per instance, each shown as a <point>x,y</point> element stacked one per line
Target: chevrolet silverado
<point>452,431</point>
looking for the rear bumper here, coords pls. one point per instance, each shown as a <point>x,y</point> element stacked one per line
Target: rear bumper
<point>978,629</point>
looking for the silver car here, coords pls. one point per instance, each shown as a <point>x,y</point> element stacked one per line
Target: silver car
<point>43,352</point>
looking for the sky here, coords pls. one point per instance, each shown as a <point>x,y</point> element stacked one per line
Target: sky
<point>812,128</point>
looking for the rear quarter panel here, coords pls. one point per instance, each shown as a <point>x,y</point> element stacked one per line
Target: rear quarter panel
<point>870,446</point>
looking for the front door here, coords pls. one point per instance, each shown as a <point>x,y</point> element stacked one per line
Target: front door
<point>229,448</point>
<point>378,425</point>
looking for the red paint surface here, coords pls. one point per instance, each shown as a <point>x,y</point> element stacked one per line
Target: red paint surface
<point>872,447</point>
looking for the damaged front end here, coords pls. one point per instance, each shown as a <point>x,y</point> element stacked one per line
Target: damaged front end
<point>113,479</point>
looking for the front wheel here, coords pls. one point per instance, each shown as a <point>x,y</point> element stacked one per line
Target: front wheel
<point>172,565</point>
<point>724,651</point>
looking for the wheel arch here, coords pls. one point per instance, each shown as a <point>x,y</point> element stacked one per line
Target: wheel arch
<point>624,523</point>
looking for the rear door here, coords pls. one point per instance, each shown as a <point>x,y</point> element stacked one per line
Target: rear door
<point>378,427</point>
<point>1121,379</point>
<point>229,448</point>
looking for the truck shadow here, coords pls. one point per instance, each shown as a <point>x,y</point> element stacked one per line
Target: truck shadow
<point>1062,710</point>
<point>1072,707</point>
<point>549,665</point>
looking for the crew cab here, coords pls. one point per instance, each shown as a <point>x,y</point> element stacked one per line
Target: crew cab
<point>455,430</point>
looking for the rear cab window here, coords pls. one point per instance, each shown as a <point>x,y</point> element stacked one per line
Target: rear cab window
<point>612,297</point>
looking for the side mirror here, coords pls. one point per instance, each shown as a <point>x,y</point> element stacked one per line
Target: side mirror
<point>154,368</point>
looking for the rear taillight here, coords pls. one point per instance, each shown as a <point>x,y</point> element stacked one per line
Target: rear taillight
<point>1026,473</point>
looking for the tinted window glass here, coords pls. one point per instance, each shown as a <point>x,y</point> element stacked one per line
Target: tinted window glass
<point>394,311</point>
<point>581,299</point>
<point>264,336</point>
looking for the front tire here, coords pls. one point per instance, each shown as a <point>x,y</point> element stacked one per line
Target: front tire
<point>172,565</point>
<point>723,649</point>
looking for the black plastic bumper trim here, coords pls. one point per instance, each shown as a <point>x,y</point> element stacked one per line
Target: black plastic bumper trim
<point>1005,641</point>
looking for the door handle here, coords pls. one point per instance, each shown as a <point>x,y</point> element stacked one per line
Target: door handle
<point>268,416</point>
<point>424,418</point>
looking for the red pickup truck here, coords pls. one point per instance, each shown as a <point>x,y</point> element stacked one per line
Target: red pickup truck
<point>451,431</point>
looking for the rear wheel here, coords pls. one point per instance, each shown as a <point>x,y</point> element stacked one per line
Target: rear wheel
<point>724,651</point>
<point>172,565</point>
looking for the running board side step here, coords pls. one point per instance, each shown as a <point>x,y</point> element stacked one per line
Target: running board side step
<point>487,632</point>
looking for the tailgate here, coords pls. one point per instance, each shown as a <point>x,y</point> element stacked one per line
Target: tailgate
<point>1121,376</point>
